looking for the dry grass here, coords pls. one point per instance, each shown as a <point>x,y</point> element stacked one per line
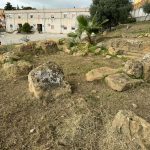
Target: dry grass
<point>81,121</point>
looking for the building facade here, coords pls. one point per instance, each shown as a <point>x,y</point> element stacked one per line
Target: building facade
<point>138,12</point>
<point>46,20</point>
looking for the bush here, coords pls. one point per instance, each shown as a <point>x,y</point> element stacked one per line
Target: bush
<point>129,20</point>
<point>61,41</point>
<point>146,9</point>
<point>72,34</point>
<point>26,28</point>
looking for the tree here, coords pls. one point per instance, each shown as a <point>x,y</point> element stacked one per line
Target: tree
<point>146,9</point>
<point>116,11</point>
<point>8,6</point>
<point>85,24</point>
<point>26,28</point>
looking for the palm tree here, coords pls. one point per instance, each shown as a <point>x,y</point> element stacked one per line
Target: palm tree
<point>85,24</point>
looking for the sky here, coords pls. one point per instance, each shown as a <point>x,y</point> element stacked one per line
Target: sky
<point>48,3</point>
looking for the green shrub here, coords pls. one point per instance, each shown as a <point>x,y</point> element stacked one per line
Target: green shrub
<point>92,49</point>
<point>72,34</point>
<point>61,41</point>
<point>26,28</point>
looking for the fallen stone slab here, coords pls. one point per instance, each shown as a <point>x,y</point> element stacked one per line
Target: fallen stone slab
<point>45,79</point>
<point>100,73</point>
<point>121,82</point>
<point>133,129</point>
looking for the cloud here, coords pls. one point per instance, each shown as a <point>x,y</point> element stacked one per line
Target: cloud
<point>48,3</point>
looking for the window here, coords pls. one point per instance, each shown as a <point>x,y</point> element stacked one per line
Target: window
<point>73,15</point>
<point>31,16</point>
<point>65,15</point>
<point>73,28</point>
<point>52,16</point>
<point>39,16</point>
<point>65,28</point>
<point>9,16</point>
<point>52,26</point>
<point>11,26</point>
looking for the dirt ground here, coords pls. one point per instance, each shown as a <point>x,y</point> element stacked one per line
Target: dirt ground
<point>30,124</point>
<point>73,122</point>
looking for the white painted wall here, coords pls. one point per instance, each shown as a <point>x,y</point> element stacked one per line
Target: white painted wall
<point>53,20</point>
<point>139,14</point>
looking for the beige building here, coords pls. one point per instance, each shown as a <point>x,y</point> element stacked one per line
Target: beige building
<point>46,20</point>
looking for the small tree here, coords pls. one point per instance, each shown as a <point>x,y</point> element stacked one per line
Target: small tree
<point>146,9</point>
<point>88,25</point>
<point>26,28</point>
<point>8,6</point>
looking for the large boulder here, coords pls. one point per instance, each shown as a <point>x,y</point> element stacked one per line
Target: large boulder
<point>100,73</point>
<point>46,79</point>
<point>121,82</point>
<point>134,68</point>
<point>132,129</point>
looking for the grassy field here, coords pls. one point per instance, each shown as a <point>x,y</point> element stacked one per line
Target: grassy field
<point>74,122</point>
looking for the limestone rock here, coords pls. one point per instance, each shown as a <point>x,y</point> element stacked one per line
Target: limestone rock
<point>146,58</point>
<point>97,51</point>
<point>11,69</point>
<point>108,56</point>
<point>48,46</point>
<point>146,71</point>
<point>24,67</point>
<point>20,67</point>
<point>134,129</point>
<point>146,67</point>
<point>134,68</point>
<point>46,78</point>
<point>28,48</point>
<point>115,51</point>
<point>100,73</point>
<point>79,53</point>
<point>121,82</point>
<point>9,57</point>
<point>101,44</point>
